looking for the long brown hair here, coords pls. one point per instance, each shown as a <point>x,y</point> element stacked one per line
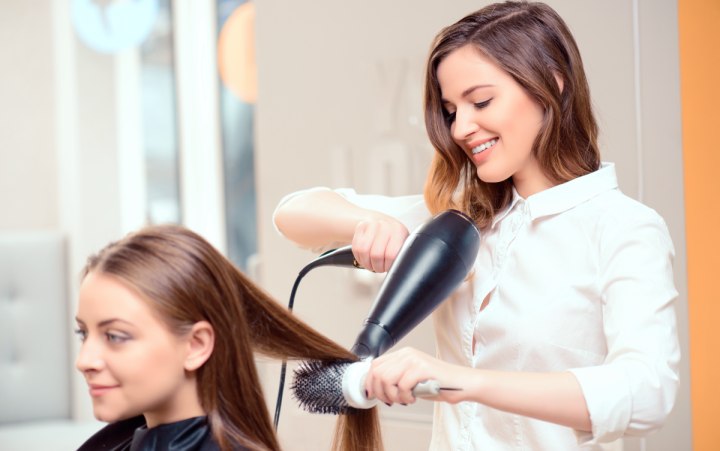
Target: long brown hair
<point>187,280</point>
<point>533,44</point>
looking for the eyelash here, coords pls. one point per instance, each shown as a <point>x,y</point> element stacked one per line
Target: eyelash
<point>115,338</point>
<point>481,105</point>
<point>82,334</point>
<point>111,337</point>
<point>450,117</point>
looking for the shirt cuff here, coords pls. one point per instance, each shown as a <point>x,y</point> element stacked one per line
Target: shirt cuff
<point>609,402</point>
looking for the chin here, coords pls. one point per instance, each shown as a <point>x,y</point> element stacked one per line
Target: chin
<point>108,416</point>
<point>491,176</point>
<point>105,417</point>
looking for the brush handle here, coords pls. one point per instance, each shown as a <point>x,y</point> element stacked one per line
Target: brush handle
<point>353,386</point>
<point>426,389</point>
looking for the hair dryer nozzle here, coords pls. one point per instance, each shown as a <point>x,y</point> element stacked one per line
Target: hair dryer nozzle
<point>373,340</point>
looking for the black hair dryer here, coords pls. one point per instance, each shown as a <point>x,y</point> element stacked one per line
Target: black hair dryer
<point>433,261</point>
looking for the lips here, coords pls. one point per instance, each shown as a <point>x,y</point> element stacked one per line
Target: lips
<point>99,390</point>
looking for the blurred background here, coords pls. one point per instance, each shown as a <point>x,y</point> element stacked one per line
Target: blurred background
<point>120,113</point>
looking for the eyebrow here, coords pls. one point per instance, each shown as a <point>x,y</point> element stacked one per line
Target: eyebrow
<point>105,322</point>
<point>468,91</point>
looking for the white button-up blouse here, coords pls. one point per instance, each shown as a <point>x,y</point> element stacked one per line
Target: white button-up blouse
<point>578,278</point>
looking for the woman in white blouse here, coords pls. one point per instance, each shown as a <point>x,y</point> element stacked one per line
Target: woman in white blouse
<point>565,335</point>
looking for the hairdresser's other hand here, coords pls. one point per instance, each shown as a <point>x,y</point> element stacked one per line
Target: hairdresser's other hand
<point>392,377</point>
<point>377,242</point>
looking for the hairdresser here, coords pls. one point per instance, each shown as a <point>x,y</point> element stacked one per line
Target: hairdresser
<point>565,334</point>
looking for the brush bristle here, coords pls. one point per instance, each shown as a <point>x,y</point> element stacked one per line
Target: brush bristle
<point>318,387</point>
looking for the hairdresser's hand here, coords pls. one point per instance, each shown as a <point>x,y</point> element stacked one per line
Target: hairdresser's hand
<point>377,242</point>
<point>392,377</point>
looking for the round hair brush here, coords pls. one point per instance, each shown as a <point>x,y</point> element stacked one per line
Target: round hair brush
<point>433,261</point>
<point>336,387</point>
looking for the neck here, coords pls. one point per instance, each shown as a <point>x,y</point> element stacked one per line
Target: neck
<point>531,181</point>
<point>183,405</point>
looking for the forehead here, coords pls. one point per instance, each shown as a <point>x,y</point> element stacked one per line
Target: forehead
<point>104,296</point>
<point>466,67</point>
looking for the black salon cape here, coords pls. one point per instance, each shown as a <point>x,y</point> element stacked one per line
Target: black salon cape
<point>192,434</point>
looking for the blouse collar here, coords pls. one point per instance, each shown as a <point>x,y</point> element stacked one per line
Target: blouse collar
<point>565,196</point>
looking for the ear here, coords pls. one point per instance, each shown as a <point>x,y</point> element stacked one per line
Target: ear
<point>201,341</point>
<point>560,81</point>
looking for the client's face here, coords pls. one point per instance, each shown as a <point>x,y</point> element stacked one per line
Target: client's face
<point>131,361</point>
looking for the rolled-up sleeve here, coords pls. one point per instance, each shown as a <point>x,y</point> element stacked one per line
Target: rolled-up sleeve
<point>635,389</point>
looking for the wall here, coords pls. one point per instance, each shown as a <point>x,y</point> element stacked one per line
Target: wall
<point>28,168</point>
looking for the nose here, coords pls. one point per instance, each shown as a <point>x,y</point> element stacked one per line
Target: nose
<point>90,357</point>
<point>464,125</point>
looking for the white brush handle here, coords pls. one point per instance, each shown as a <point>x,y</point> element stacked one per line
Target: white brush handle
<point>353,385</point>
<point>427,388</point>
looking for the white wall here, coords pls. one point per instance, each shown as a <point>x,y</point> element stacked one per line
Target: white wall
<point>28,168</point>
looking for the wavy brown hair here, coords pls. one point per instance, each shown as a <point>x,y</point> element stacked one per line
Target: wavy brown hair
<point>529,41</point>
<point>187,280</point>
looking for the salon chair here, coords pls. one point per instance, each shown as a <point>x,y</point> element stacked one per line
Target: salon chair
<point>36,365</point>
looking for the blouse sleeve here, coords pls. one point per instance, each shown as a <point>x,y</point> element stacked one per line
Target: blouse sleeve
<point>409,210</point>
<point>633,392</point>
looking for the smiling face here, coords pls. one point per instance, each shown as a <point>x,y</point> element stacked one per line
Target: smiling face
<point>492,119</point>
<point>130,359</point>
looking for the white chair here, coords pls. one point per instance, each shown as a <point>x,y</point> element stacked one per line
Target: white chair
<point>35,361</point>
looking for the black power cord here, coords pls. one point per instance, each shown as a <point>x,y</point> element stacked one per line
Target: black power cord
<point>336,257</point>
<point>283,368</point>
